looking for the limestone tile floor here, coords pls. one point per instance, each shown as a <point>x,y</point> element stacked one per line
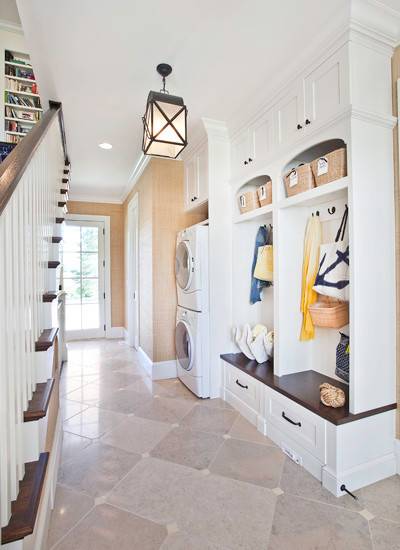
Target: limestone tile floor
<point>146,465</point>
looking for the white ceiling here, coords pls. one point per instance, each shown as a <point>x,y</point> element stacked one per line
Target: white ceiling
<point>9,12</point>
<point>98,57</point>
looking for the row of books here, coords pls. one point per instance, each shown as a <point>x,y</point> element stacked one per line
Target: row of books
<point>21,100</point>
<point>18,86</point>
<point>13,139</point>
<point>21,114</point>
<point>20,127</point>
<point>20,73</point>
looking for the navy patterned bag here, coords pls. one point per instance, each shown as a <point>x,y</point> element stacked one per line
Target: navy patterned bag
<point>343,357</point>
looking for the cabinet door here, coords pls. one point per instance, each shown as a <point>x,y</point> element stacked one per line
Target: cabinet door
<point>191,182</point>
<point>288,114</point>
<point>261,139</point>
<point>240,154</point>
<point>202,174</point>
<point>325,89</point>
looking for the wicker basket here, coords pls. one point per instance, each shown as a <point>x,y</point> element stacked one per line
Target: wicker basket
<point>331,167</point>
<point>264,193</point>
<point>248,201</point>
<point>299,179</point>
<point>329,313</point>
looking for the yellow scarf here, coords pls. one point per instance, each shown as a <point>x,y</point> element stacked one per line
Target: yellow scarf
<point>312,242</point>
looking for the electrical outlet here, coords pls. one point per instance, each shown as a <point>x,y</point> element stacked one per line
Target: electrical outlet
<point>292,455</point>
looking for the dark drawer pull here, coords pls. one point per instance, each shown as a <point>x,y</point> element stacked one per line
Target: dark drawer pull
<point>290,420</point>
<point>241,385</point>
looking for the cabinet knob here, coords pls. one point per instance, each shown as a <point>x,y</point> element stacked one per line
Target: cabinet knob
<point>308,121</point>
<point>195,198</point>
<point>250,159</point>
<point>299,126</point>
<point>245,162</point>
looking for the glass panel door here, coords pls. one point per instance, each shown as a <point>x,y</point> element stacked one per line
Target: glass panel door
<point>83,275</point>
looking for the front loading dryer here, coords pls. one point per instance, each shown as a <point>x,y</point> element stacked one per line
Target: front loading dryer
<point>191,268</point>
<point>192,350</point>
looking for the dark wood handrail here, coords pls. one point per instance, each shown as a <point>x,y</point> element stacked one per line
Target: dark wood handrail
<point>14,166</point>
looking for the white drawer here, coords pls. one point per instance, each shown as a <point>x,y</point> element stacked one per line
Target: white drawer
<point>243,386</point>
<point>294,420</point>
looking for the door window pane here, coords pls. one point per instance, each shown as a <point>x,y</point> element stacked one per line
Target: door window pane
<point>72,264</point>
<point>73,290</point>
<point>72,238</point>
<point>90,316</point>
<point>73,317</point>
<point>90,264</point>
<point>90,291</point>
<point>90,239</point>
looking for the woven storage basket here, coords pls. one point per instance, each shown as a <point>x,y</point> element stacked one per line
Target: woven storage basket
<point>248,201</point>
<point>264,193</point>
<point>330,167</point>
<point>329,313</point>
<point>299,179</point>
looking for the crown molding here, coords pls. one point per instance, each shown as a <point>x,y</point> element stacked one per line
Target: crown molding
<point>215,129</point>
<point>376,20</point>
<point>11,27</point>
<point>135,175</point>
<point>77,197</point>
<point>386,121</point>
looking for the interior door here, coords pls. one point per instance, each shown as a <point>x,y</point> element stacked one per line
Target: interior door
<point>184,346</point>
<point>83,277</point>
<point>132,274</point>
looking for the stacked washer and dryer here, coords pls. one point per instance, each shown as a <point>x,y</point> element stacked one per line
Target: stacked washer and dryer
<point>192,318</point>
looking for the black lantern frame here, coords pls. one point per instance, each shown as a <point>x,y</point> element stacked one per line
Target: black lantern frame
<point>152,135</point>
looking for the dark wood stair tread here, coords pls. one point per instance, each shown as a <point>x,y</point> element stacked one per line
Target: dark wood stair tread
<point>56,240</point>
<point>46,339</point>
<point>37,406</point>
<point>49,296</point>
<point>59,220</point>
<point>53,264</point>
<point>302,388</point>
<point>63,191</point>
<point>61,204</point>
<point>24,509</point>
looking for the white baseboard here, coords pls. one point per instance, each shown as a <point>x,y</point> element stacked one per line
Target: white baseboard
<point>126,334</point>
<point>115,332</point>
<point>164,369</point>
<point>361,476</point>
<point>160,370</point>
<point>397,454</point>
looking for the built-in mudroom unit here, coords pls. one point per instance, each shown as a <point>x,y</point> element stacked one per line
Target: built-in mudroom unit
<point>309,179</point>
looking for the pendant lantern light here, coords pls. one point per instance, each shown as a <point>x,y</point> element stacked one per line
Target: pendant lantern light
<point>164,122</point>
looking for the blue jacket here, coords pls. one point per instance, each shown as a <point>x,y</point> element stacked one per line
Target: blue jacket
<point>264,236</point>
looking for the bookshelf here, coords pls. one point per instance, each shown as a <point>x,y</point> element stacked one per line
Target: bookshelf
<point>22,106</point>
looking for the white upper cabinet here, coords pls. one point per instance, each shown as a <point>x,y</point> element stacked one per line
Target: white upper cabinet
<point>252,146</point>
<point>325,89</point>
<point>196,179</point>
<point>288,115</point>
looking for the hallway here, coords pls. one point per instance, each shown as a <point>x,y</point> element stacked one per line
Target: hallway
<point>146,465</point>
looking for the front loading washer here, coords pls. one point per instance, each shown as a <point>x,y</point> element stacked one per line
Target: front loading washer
<point>192,350</point>
<point>191,268</point>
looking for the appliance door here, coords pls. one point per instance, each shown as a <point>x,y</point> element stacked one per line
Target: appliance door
<point>183,265</point>
<point>184,346</point>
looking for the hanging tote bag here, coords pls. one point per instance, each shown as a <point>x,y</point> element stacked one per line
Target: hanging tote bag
<point>343,357</point>
<point>264,270</point>
<point>333,273</point>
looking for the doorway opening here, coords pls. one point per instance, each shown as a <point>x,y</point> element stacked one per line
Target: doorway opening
<point>132,273</point>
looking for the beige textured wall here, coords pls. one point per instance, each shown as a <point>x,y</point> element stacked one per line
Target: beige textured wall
<point>161,190</point>
<point>396,76</point>
<point>115,211</point>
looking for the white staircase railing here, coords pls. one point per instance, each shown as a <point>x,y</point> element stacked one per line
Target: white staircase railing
<point>29,185</point>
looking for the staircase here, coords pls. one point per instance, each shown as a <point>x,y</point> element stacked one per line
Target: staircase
<point>34,182</point>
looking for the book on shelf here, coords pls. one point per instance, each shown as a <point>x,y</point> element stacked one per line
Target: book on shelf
<point>21,100</point>
<point>18,86</point>
<point>29,116</point>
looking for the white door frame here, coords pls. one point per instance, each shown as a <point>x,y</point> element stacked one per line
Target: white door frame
<point>107,259</point>
<point>132,268</point>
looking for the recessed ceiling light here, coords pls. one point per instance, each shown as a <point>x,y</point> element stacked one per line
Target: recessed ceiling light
<point>105,145</point>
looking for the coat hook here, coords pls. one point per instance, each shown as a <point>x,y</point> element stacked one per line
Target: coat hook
<point>332,210</point>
